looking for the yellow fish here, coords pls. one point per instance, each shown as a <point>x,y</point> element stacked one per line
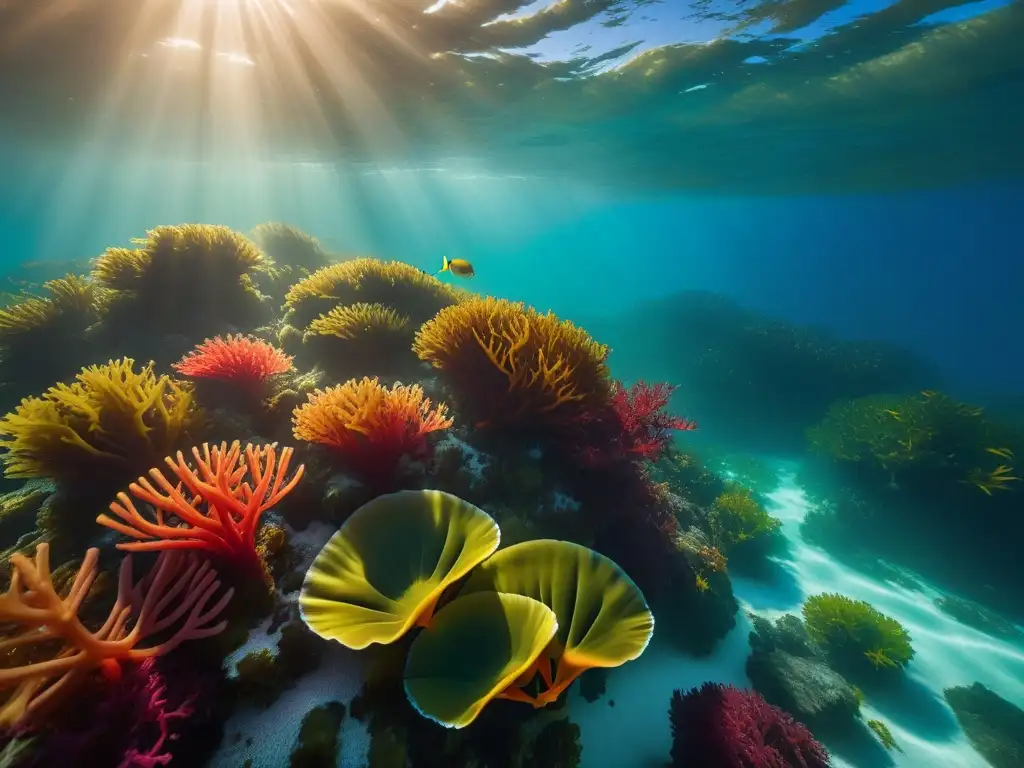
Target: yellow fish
<point>458,267</point>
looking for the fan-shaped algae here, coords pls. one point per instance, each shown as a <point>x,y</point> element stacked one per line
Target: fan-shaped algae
<point>603,618</point>
<point>384,570</point>
<point>474,649</point>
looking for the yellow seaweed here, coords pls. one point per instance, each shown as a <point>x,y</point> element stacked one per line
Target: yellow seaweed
<point>474,650</point>
<point>384,570</point>
<point>603,618</point>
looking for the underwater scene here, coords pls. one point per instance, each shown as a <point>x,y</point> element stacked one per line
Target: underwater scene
<point>511,383</point>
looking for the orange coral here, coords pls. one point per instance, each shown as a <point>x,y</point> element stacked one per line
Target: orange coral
<point>221,517</point>
<point>180,585</point>
<point>370,426</point>
<point>513,365</point>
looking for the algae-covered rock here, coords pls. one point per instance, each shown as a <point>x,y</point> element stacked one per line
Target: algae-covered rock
<point>979,617</point>
<point>260,678</point>
<point>804,687</point>
<point>299,651</point>
<point>593,683</point>
<point>19,508</point>
<point>994,726</point>
<point>318,741</point>
<point>557,746</point>
<point>386,749</point>
<point>788,634</point>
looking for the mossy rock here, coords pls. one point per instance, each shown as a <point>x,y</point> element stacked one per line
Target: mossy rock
<point>994,726</point>
<point>318,741</point>
<point>299,650</point>
<point>260,678</point>
<point>557,746</point>
<point>979,617</point>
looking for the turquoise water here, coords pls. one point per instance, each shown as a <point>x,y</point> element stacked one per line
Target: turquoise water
<point>801,216</point>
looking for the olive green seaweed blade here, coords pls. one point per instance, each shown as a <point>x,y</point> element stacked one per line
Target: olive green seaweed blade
<point>475,648</point>
<point>385,568</point>
<point>603,618</point>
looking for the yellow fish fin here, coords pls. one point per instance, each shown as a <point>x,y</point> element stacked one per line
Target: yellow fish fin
<point>445,264</point>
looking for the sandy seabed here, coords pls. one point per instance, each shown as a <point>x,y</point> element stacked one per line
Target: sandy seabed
<point>635,732</point>
<point>628,727</point>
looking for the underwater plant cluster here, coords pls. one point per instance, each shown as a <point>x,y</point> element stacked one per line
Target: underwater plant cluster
<point>896,466</point>
<point>293,459</point>
<point>494,528</point>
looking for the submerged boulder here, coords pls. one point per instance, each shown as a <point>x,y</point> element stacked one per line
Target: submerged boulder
<point>994,726</point>
<point>805,687</point>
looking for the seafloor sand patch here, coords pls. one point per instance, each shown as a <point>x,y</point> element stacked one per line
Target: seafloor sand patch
<point>268,736</point>
<point>635,732</point>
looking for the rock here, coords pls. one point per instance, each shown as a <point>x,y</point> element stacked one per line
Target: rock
<point>593,683</point>
<point>994,726</point>
<point>786,634</point>
<point>695,620</point>
<point>979,617</point>
<point>805,687</point>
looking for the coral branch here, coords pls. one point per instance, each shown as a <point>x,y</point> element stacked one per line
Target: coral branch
<point>179,584</point>
<point>221,512</point>
<point>370,426</point>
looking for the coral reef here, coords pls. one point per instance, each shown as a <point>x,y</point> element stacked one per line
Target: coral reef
<point>730,728</point>
<point>371,427</point>
<point>108,425</point>
<point>513,367</point>
<point>476,621</point>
